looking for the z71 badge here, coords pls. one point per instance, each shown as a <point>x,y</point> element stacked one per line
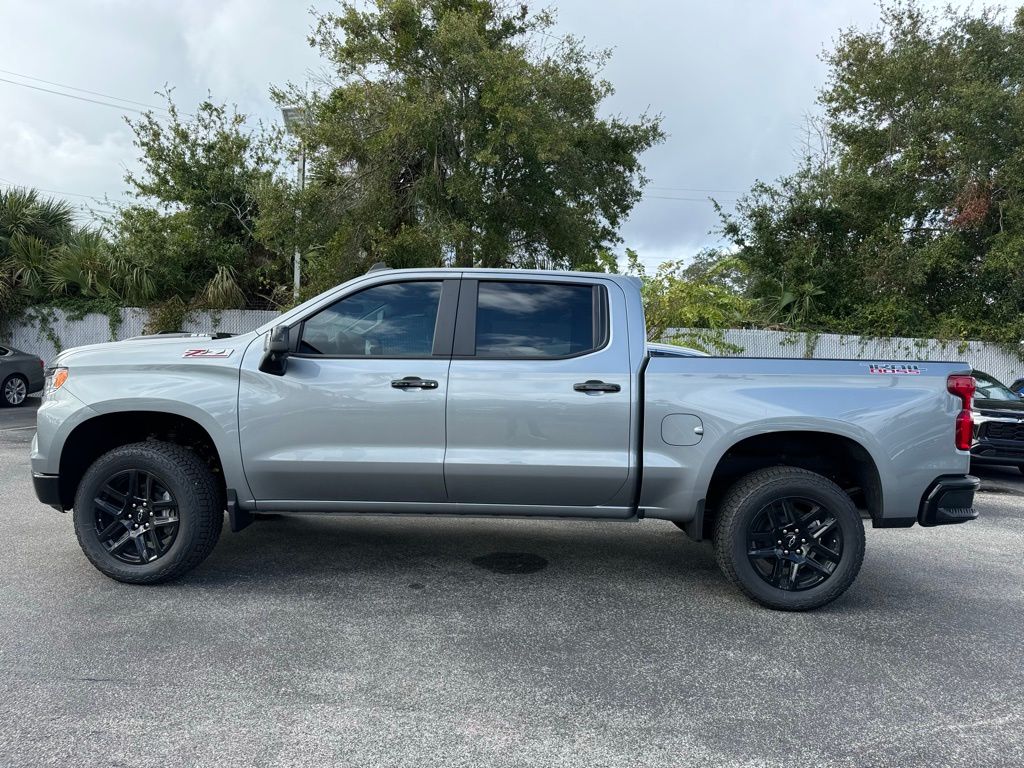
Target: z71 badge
<point>897,369</point>
<point>208,353</point>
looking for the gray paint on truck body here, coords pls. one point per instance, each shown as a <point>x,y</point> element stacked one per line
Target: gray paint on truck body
<point>505,437</point>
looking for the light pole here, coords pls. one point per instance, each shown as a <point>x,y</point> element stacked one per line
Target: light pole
<point>293,119</point>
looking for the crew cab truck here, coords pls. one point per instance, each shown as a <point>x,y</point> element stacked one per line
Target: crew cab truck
<point>499,393</point>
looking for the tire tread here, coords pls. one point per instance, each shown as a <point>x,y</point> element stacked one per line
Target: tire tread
<point>208,515</point>
<point>729,520</point>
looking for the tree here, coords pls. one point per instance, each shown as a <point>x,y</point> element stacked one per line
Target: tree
<point>465,134</point>
<point>912,221</point>
<point>45,258</point>
<point>32,229</point>
<point>199,190</point>
<point>693,303</point>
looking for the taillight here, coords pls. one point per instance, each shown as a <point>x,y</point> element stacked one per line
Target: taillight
<point>963,387</point>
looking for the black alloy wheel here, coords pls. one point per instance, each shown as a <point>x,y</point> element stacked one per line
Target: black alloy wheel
<point>794,543</point>
<point>136,516</point>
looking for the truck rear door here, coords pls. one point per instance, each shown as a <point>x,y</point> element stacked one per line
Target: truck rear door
<point>539,397</point>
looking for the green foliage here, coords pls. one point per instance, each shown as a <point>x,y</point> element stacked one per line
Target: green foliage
<point>462,132</point>
<point>193,230</point>
<point>906,216</point>
<point>167,316</point>
<point>33,230</point>
<point>46,259</point>
<point>701,297</point>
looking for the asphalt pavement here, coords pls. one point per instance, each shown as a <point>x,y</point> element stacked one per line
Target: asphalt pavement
<point>420,642</point>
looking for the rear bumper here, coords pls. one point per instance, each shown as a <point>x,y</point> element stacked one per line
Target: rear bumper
<point>949,500</point>
<point>47,488</point>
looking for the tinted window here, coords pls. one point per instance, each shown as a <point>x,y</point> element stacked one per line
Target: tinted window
<point>393,320</point>
<point>534,320</point>
<point>990,389</point>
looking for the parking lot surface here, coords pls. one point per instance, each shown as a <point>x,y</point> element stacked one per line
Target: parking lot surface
<point>379,641</point>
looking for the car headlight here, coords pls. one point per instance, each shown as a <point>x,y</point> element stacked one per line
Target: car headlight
<point>55,378</point>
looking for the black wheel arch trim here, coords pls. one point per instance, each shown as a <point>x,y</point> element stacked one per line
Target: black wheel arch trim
<point>47,489</point>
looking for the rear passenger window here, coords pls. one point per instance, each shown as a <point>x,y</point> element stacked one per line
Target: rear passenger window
<point>538,319</point>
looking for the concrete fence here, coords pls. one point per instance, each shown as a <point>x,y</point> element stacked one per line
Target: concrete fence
<point>58,330</point>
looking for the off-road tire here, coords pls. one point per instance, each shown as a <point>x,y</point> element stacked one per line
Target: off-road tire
<point>747,497</point>
<point>200,513</point>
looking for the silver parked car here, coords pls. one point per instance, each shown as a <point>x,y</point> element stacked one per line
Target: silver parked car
<point>21,374</point>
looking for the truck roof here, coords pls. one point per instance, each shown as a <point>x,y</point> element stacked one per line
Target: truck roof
<point>493,271</point>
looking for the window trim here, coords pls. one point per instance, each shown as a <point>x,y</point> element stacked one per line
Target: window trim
<point>464,347</point>
<point>444,323</point>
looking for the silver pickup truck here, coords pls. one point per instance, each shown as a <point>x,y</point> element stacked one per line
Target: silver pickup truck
<point>499,392</point>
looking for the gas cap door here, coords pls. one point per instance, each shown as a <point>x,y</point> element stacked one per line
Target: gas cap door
<point>682,429</point>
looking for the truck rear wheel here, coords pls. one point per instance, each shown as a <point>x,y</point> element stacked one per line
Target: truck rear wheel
<point>789,538</point>
<point>147,512</point>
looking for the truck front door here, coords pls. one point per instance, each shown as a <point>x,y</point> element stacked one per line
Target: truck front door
<point>359,415</point>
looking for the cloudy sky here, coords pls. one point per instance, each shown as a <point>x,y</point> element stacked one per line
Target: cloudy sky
<point>733,79</point>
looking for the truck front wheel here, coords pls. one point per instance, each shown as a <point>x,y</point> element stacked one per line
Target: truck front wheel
<point>789,538</point>
<point>147,512</point>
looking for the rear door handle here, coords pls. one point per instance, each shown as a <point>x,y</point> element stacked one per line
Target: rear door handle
<point>413,382</point>
<point>593,385</point>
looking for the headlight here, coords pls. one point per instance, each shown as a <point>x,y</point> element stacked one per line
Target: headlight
<point>55,378</point>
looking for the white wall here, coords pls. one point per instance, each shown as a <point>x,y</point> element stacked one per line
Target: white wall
<point>29,335</point>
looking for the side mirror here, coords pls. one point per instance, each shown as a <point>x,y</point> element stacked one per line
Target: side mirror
<point>275,351</point>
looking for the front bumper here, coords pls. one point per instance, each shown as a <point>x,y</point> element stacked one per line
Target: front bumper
<point>47,488</point>
<point>949,500</point>
<point>998,454</point>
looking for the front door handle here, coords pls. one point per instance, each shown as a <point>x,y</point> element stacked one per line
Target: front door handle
<point>413,382</point>
<point>593,385</point>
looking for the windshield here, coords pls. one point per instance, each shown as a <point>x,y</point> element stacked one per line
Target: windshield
<point>990,389</point>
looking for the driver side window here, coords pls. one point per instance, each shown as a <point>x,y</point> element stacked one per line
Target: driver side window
<point>391,320</point>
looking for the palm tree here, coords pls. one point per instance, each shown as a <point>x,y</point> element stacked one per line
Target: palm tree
<point>23,212</point>
<point>33,231</point>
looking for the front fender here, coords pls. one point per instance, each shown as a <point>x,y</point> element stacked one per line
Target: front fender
<point>207,395</point>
